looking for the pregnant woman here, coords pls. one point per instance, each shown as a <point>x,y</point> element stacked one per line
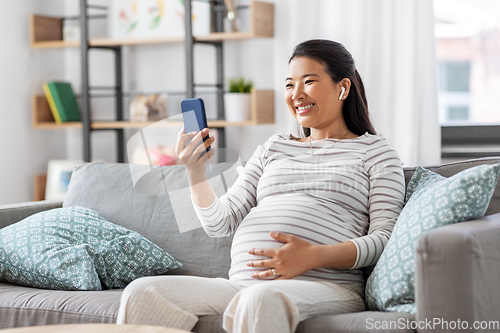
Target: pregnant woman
<point>307,212</point>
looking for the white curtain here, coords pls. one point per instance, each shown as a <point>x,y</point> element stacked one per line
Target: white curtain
<point>392,42</point>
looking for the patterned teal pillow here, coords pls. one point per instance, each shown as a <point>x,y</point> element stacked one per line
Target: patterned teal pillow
<point>74,248</point>
<point>433,201</point>
<point>421,178</point>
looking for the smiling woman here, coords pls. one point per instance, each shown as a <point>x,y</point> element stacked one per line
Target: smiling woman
<point>311,96</point>
<point>326,70</point>
<point>306,213</point>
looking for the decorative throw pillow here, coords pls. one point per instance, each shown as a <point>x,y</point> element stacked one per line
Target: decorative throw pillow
<point>75,248</point>
<point>421,178</point>
<point>433,201</point>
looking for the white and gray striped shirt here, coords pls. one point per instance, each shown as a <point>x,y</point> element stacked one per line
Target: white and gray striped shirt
<point>348,190</point>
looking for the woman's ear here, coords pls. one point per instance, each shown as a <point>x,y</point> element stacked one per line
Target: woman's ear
<point>345,88</point>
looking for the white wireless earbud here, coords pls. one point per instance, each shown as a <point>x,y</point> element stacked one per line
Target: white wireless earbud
<point>342,93</point>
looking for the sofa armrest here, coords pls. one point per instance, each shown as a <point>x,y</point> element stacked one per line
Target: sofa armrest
<point>10,214</point>
<point>457,274</point>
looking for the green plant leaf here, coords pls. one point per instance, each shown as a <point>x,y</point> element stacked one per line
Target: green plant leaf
<point>240,85</point>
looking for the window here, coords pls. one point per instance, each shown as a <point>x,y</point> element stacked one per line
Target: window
<point>454,91</point>
<point>468,55</point>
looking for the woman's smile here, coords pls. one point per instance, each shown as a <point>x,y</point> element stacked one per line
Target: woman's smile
<point>302,108</point>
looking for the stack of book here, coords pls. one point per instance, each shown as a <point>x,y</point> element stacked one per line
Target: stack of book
<point>62,101</point>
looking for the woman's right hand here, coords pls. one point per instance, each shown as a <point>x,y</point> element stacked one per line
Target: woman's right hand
<point>189,154</point>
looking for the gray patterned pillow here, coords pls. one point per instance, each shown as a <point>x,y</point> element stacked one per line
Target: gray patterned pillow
<point>75,248</point>
<point>433,201</point>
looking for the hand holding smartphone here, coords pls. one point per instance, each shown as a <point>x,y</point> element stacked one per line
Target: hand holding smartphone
<point>194,117</point>
<point>195,120</point>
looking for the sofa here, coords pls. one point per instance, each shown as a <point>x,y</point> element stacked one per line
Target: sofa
<point>457,267</point>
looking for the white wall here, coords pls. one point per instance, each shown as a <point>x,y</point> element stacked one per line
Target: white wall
<point>24,151</point>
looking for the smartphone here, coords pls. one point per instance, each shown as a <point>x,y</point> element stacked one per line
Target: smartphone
<point>194,117</point>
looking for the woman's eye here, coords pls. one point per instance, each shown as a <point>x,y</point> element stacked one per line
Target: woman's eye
<point>309,81</point>
<point>288,85</point>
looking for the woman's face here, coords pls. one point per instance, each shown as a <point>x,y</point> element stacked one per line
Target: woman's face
<point>312,96</point>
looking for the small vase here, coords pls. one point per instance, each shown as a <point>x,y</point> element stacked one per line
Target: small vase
<point>238,106</point>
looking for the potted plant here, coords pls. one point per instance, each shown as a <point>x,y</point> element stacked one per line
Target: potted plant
<point>238,100</point>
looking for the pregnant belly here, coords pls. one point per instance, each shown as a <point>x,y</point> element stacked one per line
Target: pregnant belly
<point>297,219</point>
<point>251,234</point>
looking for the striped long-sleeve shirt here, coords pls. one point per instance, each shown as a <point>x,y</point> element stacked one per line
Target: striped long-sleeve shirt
<point>337,191</point>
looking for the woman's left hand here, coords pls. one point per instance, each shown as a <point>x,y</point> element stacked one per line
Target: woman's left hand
<point>294,258</point>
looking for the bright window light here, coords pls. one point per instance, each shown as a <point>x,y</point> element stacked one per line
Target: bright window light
<point>468,53</point>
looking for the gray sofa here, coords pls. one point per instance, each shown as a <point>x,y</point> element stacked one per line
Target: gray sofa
<point>156,204</point>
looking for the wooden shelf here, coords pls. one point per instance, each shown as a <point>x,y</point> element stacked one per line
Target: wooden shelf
<point>52,126</point>
<point>130,41</point>
<point>39,184</point>
<point>261,25</point>
<point>54,44</point>
<point>262,113</point>
<point>128,124</point>
<point>164,123</point>
<point>222,36</point>
<point>46,31</point>
<point>42,117</point>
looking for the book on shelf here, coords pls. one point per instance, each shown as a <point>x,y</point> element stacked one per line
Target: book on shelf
<point>62,101</point>
<point>52,105</point>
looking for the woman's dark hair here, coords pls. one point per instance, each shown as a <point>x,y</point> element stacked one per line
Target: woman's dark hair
<point>338,62</point>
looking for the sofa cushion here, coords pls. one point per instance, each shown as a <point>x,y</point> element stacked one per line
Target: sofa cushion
<point>76,249</point>
<point>359,322</point>
<point>435,201</point>
<point>156,203</point>
<point>449,169</point>
<point>25,306</point>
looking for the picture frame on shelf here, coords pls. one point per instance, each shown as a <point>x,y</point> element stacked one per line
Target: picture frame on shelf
<point>123,19</point>
<point>156,19</point>
<point>58,177</point>
<point>71,31</point>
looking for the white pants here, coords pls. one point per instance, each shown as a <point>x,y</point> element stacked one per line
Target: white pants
<point>269,306</point>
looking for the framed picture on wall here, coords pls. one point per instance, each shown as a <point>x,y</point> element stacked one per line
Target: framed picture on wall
<point>58,177</point>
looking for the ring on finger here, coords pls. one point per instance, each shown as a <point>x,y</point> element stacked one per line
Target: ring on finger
<point>274,272</point>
